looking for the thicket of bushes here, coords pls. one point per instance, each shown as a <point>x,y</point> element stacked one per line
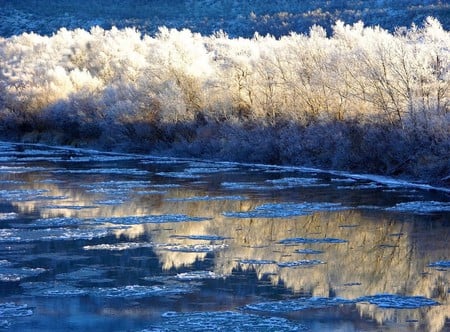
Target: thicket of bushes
<point>361,99</point>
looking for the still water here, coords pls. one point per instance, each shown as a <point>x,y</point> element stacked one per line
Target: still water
<point>91,241</point>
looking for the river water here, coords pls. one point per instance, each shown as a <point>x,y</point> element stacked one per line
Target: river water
<point>93,241</point>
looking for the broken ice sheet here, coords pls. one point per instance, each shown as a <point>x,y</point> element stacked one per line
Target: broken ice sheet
<point>30,235</point>
<point>285,210</point>
<point>394,301</point>
<point>12,310</point>
<point>83,274</point>
<point>303,240</point>
<point>138,291</point>
<point>302,303</point>
<point>120,246</point>
<point>8,216</point>
<point>51,289</point>
<point>292,182</point>
<point>222,321</point>
<point>198,275</point>
<point>14,274</point>
<point>192,248</point>
<point>440,264</point>
<point>301,263</point>
<point>421,207</point>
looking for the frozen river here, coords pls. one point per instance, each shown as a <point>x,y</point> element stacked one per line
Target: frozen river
<point>92,241</point>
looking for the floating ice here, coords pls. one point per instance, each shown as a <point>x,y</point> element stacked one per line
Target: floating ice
<point>21,169</point>
<point>285,210</point>
<point>120,246</point>
<point>12,310</point>
<point>150,219</point>
<point>298,240</point>
<point>421,207</point>
<point>398,301</point>
<point>8,216</point>
<point>119,171</point>
<point>292,182</point>
<point>245,186</point>
<point>440,264</point>
<point>69,207</point>
<point>222,321</point>
<point>301,263</point>
<point>52,289</point>
<point>138,291</point>
<point>187,248</point>
<point>27,235</point>
<point>22,195</point>
<point>85,273</point>
<point>206,198</point>
<point>56,222</point>
<point>309,251</point>
<point>198,275</point>
<point>14,274</point>
<point>179,175</point>
<point>302,303</point>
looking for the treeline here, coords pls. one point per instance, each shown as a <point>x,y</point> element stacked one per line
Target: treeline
<point>236,17</point>
<point>361,99</point>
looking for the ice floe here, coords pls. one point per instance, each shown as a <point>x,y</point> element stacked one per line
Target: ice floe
<point>8,216</point>
<point>191,248</point>
<point>285,210</point>
<point>13,310</point>
<point>309,251</point>
<point>421,207</point>
<point>198,275</point>
<point>440,264</point>
<point>302,240</point>
<point>52,289</point>
<point>393,301</point>
<point>138,291</point>
<point>46,234</point>
<point>301,263</point>
<point>302,303</point>
<point>292,182</point>
<point>120,246</point>
<point>14,274</point>
<point>222,321</point>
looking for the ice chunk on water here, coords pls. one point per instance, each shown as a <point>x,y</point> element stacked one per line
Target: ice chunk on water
<point>8,216</point>
<point>11,310</point>
<point>14,274</point>
<point>285,210</point>
<point>27,235</point>
<point>421,207</point>
<point>52,289</point>
<point>440,264</point>
<point>85,273</point>
<point>301,263</point>
<point>191,248</point>
<point>292,182</point>
<point>198,275</point>
<point>120,246</point>
<point>302,240</point>
<point>398,301</point>
<point>301,303</point>
<point>138,291</point>
<point>222,321</point>
<point>309,251</point>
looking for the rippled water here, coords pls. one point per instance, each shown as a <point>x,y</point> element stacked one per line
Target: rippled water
<point>108,242</point>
